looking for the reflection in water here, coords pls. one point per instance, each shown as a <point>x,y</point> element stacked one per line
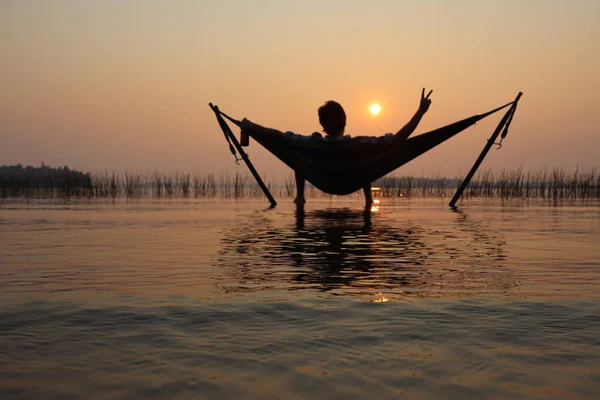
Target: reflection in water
<point>343,248</point>
<point>346,252</point>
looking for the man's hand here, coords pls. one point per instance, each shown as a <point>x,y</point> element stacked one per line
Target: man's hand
<point>246,123</point>
<point>425,102</point>
<point>410,127</point>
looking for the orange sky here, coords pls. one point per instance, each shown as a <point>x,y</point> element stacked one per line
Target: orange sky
<point>103,85</point>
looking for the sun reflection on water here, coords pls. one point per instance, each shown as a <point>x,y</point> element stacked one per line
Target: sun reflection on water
<point>375,206</point>
<point>380,298</point>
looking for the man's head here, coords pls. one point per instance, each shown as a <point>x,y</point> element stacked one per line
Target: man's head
<point>332,118</point>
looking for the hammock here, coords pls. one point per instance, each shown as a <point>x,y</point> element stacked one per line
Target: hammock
<point>342,167</point>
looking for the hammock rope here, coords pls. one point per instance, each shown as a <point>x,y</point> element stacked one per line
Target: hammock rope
<point>505,131</point>
<point>227,133</point>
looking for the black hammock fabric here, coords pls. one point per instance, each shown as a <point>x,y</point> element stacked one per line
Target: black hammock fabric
<point>342,167</point>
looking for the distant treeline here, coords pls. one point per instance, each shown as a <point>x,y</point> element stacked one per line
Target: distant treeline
<point>63,182</point>
<point>44,181</point>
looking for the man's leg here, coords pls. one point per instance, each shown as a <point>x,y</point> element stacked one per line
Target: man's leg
<point>299,200</point>
<point>368,196</point>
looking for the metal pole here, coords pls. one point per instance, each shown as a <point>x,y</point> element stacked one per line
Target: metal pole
<point>237,145</point>
<point>487,147</point>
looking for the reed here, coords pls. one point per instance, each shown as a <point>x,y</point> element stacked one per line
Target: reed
<point>289,186</point>
<point>169,185</point>
<point>553,184</point>
<point>184,184</point>
<point>157,185</point>
<point>134,185</point>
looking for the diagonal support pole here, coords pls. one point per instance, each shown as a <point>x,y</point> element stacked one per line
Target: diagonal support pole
<point>242,153</point>
<point>503,125</point>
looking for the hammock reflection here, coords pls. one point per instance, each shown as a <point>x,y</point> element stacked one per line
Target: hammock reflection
<point>342,250</point>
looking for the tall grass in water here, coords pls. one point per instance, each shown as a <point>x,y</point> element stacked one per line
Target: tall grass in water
<point>157,185</point>
<point>550,184</point>
<point>184,184</point>
<point>544,184</point>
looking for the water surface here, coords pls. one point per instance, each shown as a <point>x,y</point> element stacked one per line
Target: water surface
<point>231,299</point>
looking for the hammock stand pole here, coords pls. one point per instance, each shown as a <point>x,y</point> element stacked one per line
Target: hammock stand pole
<point>503,125</point>
<point>242,153</point>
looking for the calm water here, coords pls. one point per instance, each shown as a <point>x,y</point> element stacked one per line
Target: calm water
<point>224,299</point>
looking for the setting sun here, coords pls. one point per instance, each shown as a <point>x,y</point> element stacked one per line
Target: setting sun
<point>375,108</point>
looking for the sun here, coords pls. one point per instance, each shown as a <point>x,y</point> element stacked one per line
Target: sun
<point>375,108</point>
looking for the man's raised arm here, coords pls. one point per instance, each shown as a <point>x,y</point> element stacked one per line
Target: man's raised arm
<point>410,127</point>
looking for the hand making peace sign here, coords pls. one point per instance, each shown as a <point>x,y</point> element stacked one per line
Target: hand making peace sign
<point>425,102</point>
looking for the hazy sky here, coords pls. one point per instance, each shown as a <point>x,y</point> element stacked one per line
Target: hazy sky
<point>107,84</point>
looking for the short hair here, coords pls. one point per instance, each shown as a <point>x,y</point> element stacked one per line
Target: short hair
<point>332,117</point>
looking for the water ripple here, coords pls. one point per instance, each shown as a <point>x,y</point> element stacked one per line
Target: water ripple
<point>342,250</point>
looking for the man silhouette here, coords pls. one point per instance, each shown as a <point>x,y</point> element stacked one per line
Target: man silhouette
<point>332,118</point>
